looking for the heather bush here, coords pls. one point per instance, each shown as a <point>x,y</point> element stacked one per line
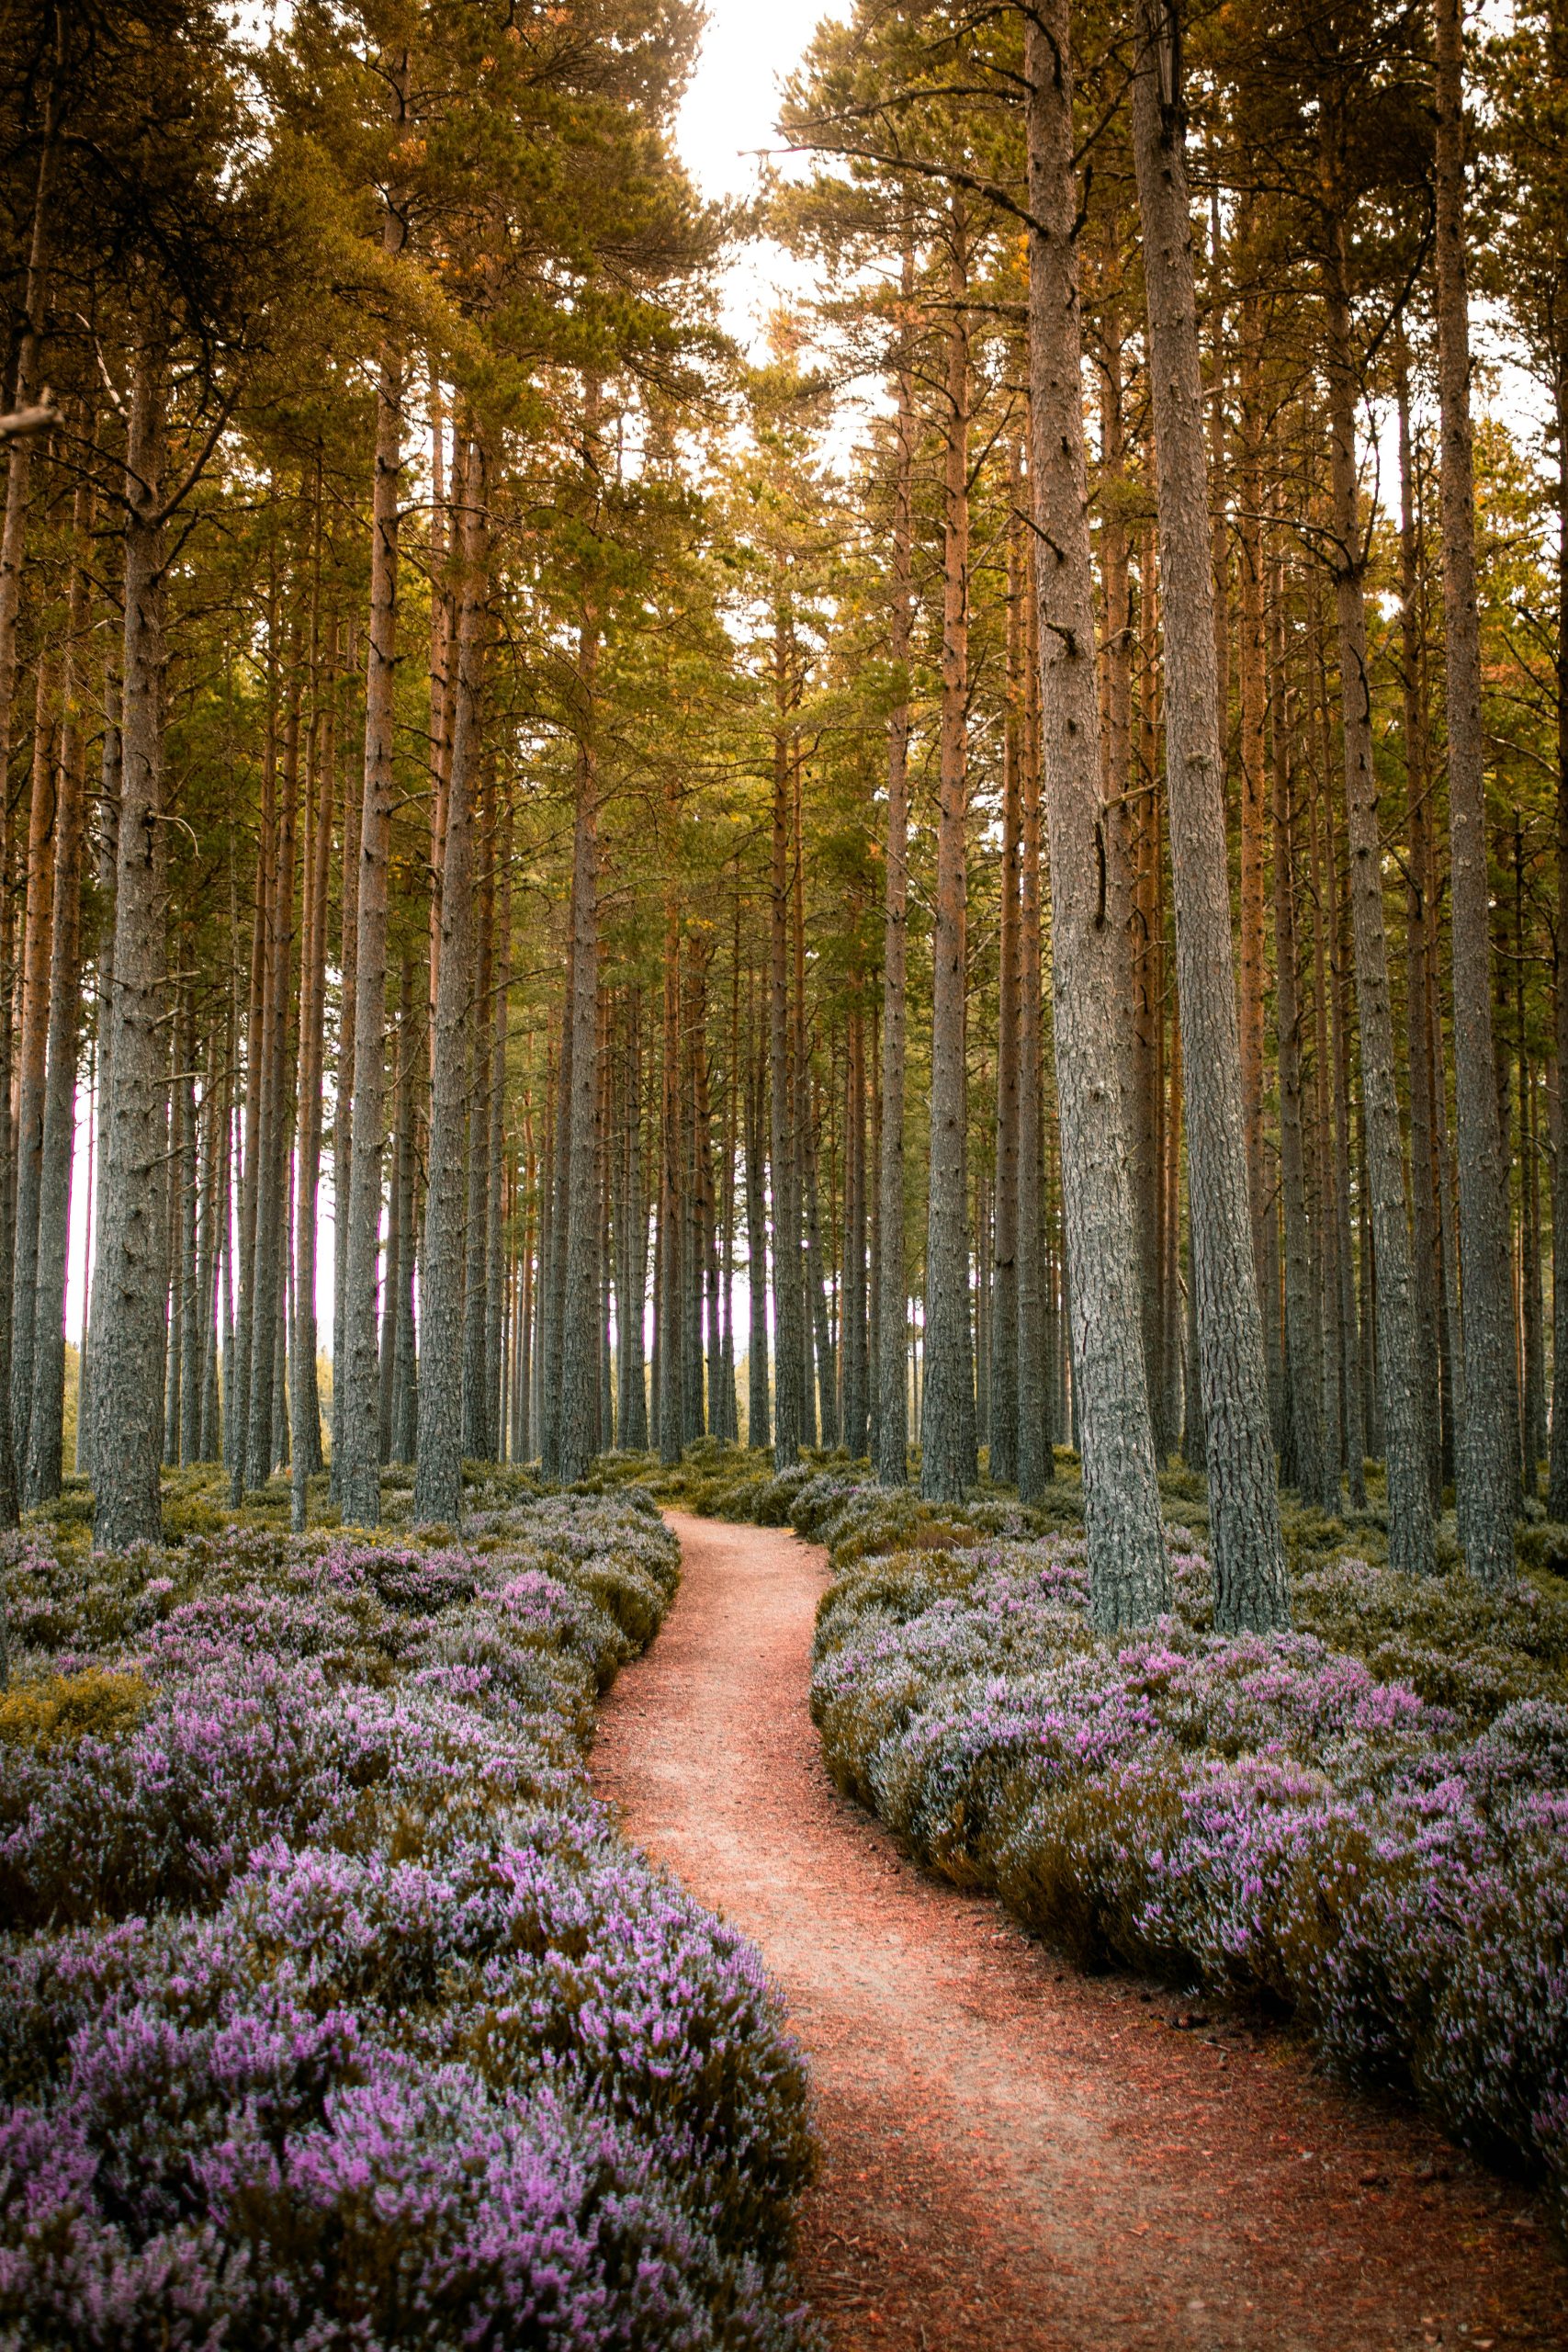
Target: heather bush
<point>1361,1821</point>
<point>331,2008</point>
<point>1284,1816</point>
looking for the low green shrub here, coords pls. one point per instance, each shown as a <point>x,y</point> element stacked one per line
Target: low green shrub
<point>59,1710</point>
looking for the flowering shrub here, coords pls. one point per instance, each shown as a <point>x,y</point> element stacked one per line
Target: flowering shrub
<point>331,2008</point>
<point>1364,1821</point>
<point>1386,1856</point>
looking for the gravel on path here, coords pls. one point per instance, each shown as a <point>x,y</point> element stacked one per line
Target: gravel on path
<point>1019,2158</point>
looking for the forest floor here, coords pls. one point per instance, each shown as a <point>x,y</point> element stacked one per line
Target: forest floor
<point>1017,2157</point>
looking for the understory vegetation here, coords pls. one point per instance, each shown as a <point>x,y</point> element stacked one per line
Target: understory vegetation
<point>1361,1823</point>
<point>333,2010</point>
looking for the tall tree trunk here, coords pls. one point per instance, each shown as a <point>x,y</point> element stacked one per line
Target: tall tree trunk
<point>438,1468</point>
<point>815,1254</point>
<point>1253,668</point>
<point>443,680</point>
<point>343,1098</point>
<point>1531,1342</point>
<point>1409,1489</point>
<point>1037,1331</point>
<point>580,1337</point>
<point>304,1404</point>
<point>359,1476</point>
<point>1303,1319</point>
<point>667,1280</point>
<point>947,1464</point>
<point>857,1398</point>
<point>757,1385</point>
<point>1421,932</point>
<point>800,1101</point>
<point>131,1277</point>
<point>1249,1564</point>
<point>1129,1575</point>
<point>705,1285</point>
<point>1557,1471</point>
<point>727,1420</point>
<point>477,1443</point>
<point>1352,1382</point>
<point>892,1419</point>
<point>41,1463</point>
<point>1004,1299</point>
<point>495,1218</point>
<point>632,1417</point>
<point>1331,1223</point>
<point>789,1414</point>
<point>522,1419</point>
<point>31,1057</point>
<point>604,1418</point>
<point>398,1264</point>
<point>13,544</point>
<point>272,1192</point>
<point>252,1125</point>
<point>213,1245</point>
<point>1488,1464</point>
<point>405,1365</point>
<point>1128,833</point>
<point>107,861</point>
<point>189,1406</point>
<point>180,1170</point>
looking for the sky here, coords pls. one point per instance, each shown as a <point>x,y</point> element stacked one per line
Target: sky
<point>727,116</point>
<point>728,111</point>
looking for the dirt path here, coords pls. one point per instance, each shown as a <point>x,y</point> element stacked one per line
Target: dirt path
<point>1017,2156</point>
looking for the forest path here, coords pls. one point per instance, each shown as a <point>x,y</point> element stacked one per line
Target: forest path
<point>1017,2156</point>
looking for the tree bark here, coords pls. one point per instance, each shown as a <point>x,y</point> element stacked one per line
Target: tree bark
<point>1248,1552</point>
<point>1253,668</point>
<point>1409,1490</point>
<point>438,1467</point>
<point>1036,1322</point>
<point>1557,1467</point>
<point>1304,1320</point>
<point>857,1400</point>
<point>631,1306</point>
<point>481,982</point>
<point>788,1398</point>
<point>404,1432</point>
<point>892,1419</point>
<point>1129,1575</point>
<point>131,1277</point>
<point>42,1461</point>
<point>1352,1360</point>
<point>272,1192</point>
<point>305,1409</point>
<point>947,1464</point>
<point>111,765</point>
<point>757,1383</point>
<point>1421,935</point>
<point>1004,1286</point>
<point>1328,1188</point>
<point>580,1336</point>
<point>667,1280</point>
<point>343,1120</point>
<point>1488,1464</point>
<point>31,1053</point>
<point>359,1476</point>
<point>495,1219</point>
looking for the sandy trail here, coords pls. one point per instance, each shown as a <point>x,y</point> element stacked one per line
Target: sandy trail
<point>1018,2156</point>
